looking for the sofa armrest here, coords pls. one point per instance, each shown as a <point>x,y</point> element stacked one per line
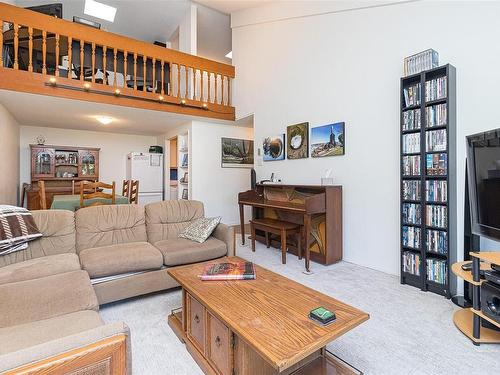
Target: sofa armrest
<point>225,233</point>
<point>46,297</point>
<point>91,350</point>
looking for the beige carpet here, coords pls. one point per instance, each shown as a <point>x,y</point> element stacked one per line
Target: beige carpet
<point>409,331</point>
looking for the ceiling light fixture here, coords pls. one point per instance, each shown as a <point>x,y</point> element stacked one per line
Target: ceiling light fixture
<point>230,55</point>
<point>104,120</point>
<point>99,10</point>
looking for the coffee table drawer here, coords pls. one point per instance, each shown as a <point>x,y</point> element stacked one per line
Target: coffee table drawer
<point>196,322</point>
<point>218,345</point>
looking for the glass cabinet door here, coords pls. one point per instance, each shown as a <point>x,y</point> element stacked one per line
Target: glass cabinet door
<point>88,164</point>
<point>42,162</point>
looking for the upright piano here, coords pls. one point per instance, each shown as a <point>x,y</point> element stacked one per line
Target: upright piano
<point>317,208</point>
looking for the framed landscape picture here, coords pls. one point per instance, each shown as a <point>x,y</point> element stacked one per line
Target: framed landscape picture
<point>297,141</point>
<point>274,148</point>
<point>237,153</point>
<point>328,140</point>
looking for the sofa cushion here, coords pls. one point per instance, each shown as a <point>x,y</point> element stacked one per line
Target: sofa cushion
<point>165,220</point>
<point>109,225</point>
<point>121,258</point>
<point>58,229</point>
<point>29,334</point>
<point>177,251</point>
<point>39,267</point>
<point>200,229</point>
<point>47,297</point>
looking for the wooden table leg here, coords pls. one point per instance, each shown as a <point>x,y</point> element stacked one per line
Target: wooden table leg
<point>307,231</point>
<point>299,243</point>
<point>283,246</point>
<point>252,229</point>
<point>242,224</point>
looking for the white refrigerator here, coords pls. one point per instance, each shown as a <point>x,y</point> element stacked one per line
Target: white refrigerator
<point>148,169</point>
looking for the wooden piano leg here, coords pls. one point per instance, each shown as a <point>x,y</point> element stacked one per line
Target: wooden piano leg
<point>242,224</point>
<point>307,231</point>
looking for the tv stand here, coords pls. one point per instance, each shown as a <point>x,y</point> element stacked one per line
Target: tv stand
<point>469,320</point>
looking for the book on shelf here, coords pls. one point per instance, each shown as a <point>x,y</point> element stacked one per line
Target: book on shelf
<point>411,119</point>
<point>436,191</point>
<point>412,213</point>
<point>411,190</point>
<point>411,143</point>
<point>411,237</point>
<point>436,115</point>
<point>435,140</point>
<point>411,165</point>
<point>412,95</point>
<point>421,61</point>
<point>437,164</point>
<point>436,216</point>
<point>241,270</point>
<point>411,263</point>
<point>436,89</point>
<point>437,241</point>
<point>437,270</point>
<point>185,160</point>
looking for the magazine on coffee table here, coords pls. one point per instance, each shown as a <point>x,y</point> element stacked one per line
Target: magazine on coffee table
<point>229,271</point>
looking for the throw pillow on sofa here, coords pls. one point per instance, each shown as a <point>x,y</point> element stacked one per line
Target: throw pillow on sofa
<point>17,228</point>
<point>200,229</point>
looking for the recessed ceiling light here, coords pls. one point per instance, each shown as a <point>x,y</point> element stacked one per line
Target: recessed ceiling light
<point>230,55</point>
<point>99,10</point>
<point>105,120</point>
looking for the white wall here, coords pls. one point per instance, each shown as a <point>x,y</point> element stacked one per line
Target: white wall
<point>346,66</point>
<point>215,186</point>
<point>187,31</point>
<point>112,158</point>
<point>9,158</point>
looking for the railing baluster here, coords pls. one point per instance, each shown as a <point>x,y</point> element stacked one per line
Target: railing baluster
<point>93,62</point>
<point>216,76</point>
<point>154,75</point>
<point>70,57</point>
<point>16,45</point>
<point>178,80</point>
<point>228,91</point>
<point>104,64</point>
<point>222,95</point>
<point>1,43</point>
<point>144,61</point>
<point>125,68</point>
<point>135,71</point>
<point>202,74</point>
<point>194,83</point>
<point>162,77</point>
<point>30,48</point>
<point>82,58</point>
<point>209,74</point>
<point>170,79</point>
<point>186,71</point>
<point>44,52</point>
<point>57,55</point>
<point>115,54</point>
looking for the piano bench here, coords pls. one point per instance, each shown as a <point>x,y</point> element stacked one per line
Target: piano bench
<point>279,227</point>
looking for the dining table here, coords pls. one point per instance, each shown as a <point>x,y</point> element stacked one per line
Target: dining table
<point>71,202</point>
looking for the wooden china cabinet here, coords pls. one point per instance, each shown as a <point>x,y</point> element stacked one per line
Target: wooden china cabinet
<point>62,168</point>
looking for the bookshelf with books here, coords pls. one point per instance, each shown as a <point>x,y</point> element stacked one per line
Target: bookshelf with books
<point>428,179</point>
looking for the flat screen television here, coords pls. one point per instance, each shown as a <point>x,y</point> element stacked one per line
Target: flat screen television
<point>483,165</point>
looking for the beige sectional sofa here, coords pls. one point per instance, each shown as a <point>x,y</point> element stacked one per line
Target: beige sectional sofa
<point>50,293</point>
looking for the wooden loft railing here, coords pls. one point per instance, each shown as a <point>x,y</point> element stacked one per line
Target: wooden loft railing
<point>49,56</point>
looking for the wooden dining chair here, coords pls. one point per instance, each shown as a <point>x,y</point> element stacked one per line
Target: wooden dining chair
<point>91,190</point>
<point>42,199</point>
<point>134,192</point>
<point>25,189</point>
<point>126,188</point>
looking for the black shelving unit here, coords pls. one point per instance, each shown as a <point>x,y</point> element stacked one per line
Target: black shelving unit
<point>446,181</point>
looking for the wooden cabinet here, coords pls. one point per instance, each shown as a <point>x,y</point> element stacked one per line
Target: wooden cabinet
<point>218,345</point>
<point>61,167</point>
<point>196,323</point>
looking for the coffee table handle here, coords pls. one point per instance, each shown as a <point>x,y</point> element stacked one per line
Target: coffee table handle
<point>196,318</point>
<point>218,341</point>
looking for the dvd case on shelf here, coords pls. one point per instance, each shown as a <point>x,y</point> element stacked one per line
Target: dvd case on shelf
<point>412,95</point>
<point>436,115</point>
<point>411,165</point>
<point>436,164</point>
<point>437,270</point>
<point>436,216</point>
<point>411,119</point>
<point>411,143</point>
<point>435,140</point>
<point>411,190</point>
<point>436,191</point>
<point>411,263</point>
<point>412,213</point>
<point>437,241</point>
<point>411,237</point>
<point>421,61</point>
<point>436,89</point>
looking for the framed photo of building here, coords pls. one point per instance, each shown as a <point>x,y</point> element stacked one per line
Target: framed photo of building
<point>237,153</point>
<point>297,141</point>
<point>274,148</point>
<point>328,140</point>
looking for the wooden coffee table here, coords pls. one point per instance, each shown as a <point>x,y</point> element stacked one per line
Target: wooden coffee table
<point>258,326</point>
